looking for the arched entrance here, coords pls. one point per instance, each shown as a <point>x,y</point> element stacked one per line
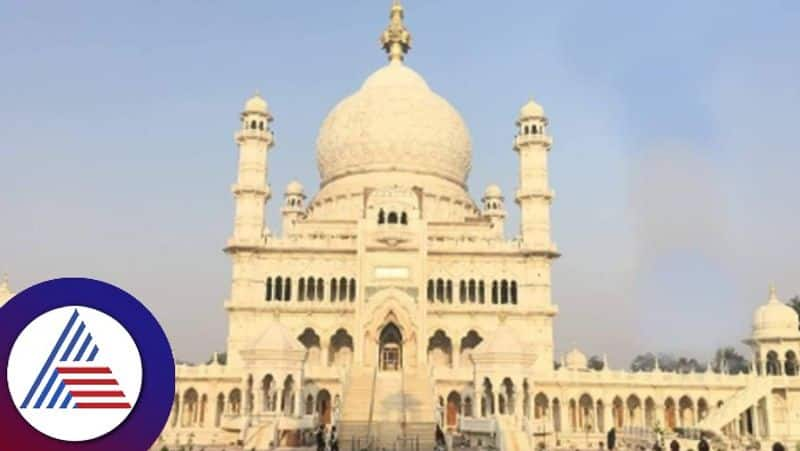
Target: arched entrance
<point>453,409</point>
<point>391,348</point>
<point>324,406</point>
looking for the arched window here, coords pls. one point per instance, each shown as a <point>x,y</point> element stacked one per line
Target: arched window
<point>287,291</point>
<point>342,288</point>
<point>430,290</point>
<point>513,291</point>
<point>311,289</point>
<point>791,367</point>
<point>472,291</point>
<point>279,288</point>
<point>268,296</point>
<point>301,291</point>
<point>403,218</point>
<point>320,289</point>
<point>392,218</point>
<point>381,217</point>
<point>440,290</point>
<point>253,125</point>
<point>462,291</point>
<point>534,129</point>
<point>352,290</point>
<point>481,292</point>
<point>773,366</point>
<point>450,291</point>
<point>504,292</point>
<point>261,125</point>
<point>333,290</point>
<point>525,130</point>
<point>494,292</point>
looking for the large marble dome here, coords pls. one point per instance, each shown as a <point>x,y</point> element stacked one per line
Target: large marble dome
<point>396,123</point>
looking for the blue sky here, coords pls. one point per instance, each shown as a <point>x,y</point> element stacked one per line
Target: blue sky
<point>675,161</point>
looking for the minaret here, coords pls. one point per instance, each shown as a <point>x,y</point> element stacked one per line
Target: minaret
<point>251,190</point>
<point>534,195</point>
<point>292,205</point>
<point>494,208</point>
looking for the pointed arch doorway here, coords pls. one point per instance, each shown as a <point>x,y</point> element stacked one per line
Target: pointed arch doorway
<point>390,355</point>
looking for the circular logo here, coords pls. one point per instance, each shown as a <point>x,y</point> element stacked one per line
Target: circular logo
<point>87,368</point>
<point>74,373</point>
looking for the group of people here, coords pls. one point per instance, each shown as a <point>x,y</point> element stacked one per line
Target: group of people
<point>611,441</point>
<point>326,440</point>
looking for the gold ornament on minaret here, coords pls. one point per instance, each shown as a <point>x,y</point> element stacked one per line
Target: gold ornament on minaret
<point>396,40</point>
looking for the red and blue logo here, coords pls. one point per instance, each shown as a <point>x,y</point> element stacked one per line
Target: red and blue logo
<point>88,368</point>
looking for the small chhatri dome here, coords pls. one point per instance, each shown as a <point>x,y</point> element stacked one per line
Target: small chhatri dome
<point>256,104</point>
<point>294,187</point>
<point>531,110</point>
<point>492,191</point>
<point>502,341</point>
<point>5,290</point>
<point>276,342</point>
<point>576,360</point>
<point>775,319</point>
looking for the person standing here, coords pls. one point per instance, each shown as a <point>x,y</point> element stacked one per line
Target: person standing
<point>334,440</point>
<point>611,438</point>
<point>320,436</point>
<point>702,445</point>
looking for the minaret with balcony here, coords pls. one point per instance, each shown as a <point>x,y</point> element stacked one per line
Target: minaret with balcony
<point>251,190</point>
<point>534,195</point>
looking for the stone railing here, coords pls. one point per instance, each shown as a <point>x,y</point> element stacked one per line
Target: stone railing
<point>211,371</point>
<point>653,377</point>
<point>477,425</point>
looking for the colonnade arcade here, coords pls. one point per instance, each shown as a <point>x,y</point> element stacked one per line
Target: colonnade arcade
<point>584,413</point>
<point>574,414</point>
<point>271,396</point>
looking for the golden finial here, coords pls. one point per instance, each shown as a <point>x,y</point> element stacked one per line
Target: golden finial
<point>773,295</point>
<point>396,40</point>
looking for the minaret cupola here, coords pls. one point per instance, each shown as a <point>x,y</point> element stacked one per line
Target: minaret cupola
<point>293,205</point>
<point>494,207</point>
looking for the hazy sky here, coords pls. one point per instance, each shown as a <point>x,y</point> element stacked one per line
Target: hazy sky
<point>675,161</point>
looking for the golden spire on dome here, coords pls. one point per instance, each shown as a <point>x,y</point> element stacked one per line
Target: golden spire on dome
<point>396,40</point>
<point>773,295</point>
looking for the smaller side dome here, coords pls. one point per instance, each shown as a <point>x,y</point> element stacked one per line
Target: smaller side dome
<point>503,341</point>
<point>531,110</point>
<point>294,187</point>
<point>492,191</point>
<point>775,319</point>
<point>5,290</point>
<point>256,104</point>
<point>576,360</point>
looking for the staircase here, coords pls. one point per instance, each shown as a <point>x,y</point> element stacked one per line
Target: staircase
<point>381,407</point>
<point>261,436</point>
<point>420,410</point>
<point>356,417</point>
<point>513,437</point>
<point>735,406</point>
<point>389,408</point>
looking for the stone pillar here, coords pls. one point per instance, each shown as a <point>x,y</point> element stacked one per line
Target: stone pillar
<point>608,416</point>
<point>325,349</point>
<point>770,406</point>
<point>298,402</point>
